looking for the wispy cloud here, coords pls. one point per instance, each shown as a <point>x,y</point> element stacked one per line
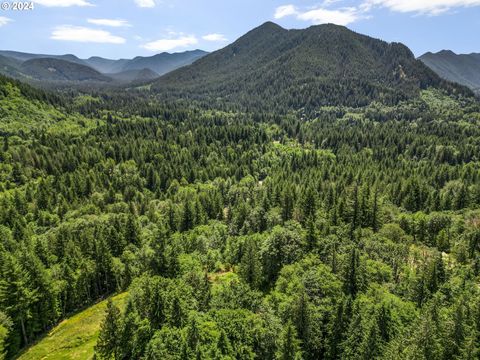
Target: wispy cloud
<point>145,3</point>
<point>63,3</point>
<point>215,37</point>
<point>83,34</point>
<point>284,11</point>
<point>425,7</point>
<point>171,43</point>
<point>340,16</point>
<point>109,22</point>
<point>347,15</point>
<point>4,20</point>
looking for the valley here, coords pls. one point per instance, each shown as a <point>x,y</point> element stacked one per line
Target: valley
<point>297,194</point>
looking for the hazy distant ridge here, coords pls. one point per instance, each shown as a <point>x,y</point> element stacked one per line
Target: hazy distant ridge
<point>69,67</point>
<point>460,68</point>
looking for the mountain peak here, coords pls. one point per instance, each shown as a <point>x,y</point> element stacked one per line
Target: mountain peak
<point>327,26</point>
<point>266,28</point>
<point>270,25</point>
<point>446,52</point>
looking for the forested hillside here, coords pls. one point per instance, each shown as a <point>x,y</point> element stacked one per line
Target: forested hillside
<point>277,69</point>
<point>60,70</point>
<point>139,76</point>
<point>350,233</point>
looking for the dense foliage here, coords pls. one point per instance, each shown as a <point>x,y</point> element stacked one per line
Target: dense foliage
<point>352,233</point>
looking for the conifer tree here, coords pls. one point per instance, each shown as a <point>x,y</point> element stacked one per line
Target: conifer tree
<point>107,344</point>
<point>289,344</point>
<point>250,265</point>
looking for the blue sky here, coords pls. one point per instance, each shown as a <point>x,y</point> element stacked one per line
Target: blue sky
<point>127,28</point>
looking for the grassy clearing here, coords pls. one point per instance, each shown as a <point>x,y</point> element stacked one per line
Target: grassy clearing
<point>73,338</point>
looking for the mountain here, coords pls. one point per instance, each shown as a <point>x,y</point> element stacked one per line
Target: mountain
<point>21,56</point>
<point>138,69</point>
<point>107,66</point>
<point>160,63</point>
<point>50,69</point>
<point>129,76</point>
<point>460,68</point>
<point>9,66</point>
<point>321,65</point>
<point>165,62</point>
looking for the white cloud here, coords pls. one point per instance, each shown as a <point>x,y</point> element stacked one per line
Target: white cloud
<point>214,37</point>
<point>145,3</point>
<point>428,7</point>
<point>63,3</point>
<point>4,20</point>
<point>109,22</point>
<point>347,15</point>
<point>341,16</point>
<point>170,44</point>
<point>83,34</point>
<point>285,10</point>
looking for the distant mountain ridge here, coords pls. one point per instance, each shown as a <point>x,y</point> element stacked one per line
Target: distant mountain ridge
<point>128,76</point>
<point>10,66</point>
<point>321,65</point>
<point>460,68</point>
<point>27,66</point>
<point>159,63</point>
<point>21,56</point>
<point>53,69</point>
